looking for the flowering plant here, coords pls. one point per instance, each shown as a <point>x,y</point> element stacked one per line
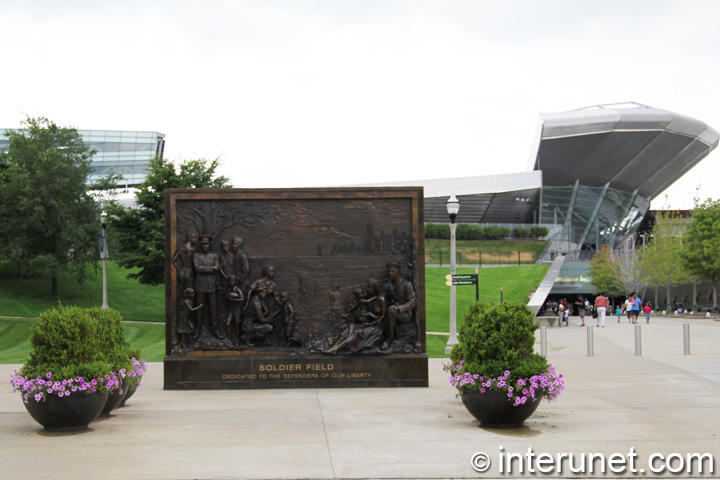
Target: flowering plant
<point>132,375</point>
<point>519,392</point>
<point>42,386</point>
<point>495,351</point>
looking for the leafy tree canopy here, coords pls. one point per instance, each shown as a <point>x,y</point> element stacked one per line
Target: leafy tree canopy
<point>661,259</point>
<point>605,271</point>
<point>701,244</point>
<point>138,234</point>
<point>48,222</point>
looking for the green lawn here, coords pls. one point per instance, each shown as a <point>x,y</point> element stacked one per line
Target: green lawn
<point>25,298</point>
<point>28,297</point>
<point>517,283</point>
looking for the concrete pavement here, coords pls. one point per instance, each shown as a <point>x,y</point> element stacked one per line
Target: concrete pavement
<point>661,402</point>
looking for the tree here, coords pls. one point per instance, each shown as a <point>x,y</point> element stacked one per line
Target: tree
<point>48,222</point>
<point>661,259</point>
<point>605,272</point>
<point>138,233</point>
<point>701,244</point>
<point>632,275</point>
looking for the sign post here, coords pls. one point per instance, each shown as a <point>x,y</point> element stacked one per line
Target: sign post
<point>467,279</point>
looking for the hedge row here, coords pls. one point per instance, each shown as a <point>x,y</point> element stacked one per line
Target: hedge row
<point>474,232</point>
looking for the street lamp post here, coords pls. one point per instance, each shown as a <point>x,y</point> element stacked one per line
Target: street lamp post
<point>103,254</point>
<point>453,207</point>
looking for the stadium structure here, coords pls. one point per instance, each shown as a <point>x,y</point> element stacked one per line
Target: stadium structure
<point>593,177</point>
<point>123,152</point>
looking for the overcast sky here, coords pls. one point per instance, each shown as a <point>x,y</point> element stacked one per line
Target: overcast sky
<point>314,93</point>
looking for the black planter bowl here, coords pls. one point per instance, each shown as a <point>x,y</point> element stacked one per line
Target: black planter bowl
<point>66,414</point>
<point>493,409</point>
<point>131,391</point>
<point>113,400</point>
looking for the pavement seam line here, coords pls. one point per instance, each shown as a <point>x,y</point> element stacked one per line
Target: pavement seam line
<point>327,440</point>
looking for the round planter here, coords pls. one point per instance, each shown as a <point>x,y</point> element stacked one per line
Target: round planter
<point>113,400</point>
<point>66,414</point>
<point>131,391</point>
<point>494,410</point>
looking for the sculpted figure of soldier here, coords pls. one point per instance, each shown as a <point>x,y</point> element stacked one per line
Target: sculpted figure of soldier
<point>401,307</point>
<point>206,265</point>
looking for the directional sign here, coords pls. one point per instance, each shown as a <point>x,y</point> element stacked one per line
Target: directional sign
<point>464,280</point>
<point>464,277</point>
<point>461,280</point>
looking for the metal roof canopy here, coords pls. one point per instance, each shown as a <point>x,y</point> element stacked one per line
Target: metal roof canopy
<point>637,148</point>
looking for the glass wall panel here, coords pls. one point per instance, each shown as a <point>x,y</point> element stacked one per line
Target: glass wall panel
<point>593,215</point>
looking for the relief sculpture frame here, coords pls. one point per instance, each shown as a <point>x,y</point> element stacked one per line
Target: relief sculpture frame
<point>292,288</point>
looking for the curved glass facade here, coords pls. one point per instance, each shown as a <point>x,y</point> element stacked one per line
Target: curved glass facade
<point>591,216</point>
<point>123,152</point>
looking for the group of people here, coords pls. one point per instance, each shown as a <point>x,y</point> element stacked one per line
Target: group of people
<point>252,311</point>
<point>632,308</point>
<point>217,284</point>
<point>599,308</point>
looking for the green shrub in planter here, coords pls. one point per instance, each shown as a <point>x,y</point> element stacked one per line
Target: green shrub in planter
<point>495,350</point>
<point>75,349</point>
<point>65,336</point>
<point>501,337</point>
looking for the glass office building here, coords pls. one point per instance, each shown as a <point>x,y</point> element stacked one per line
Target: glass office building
<point>123,152</point>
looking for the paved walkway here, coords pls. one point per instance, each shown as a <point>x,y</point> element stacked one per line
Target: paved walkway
<point>661,402</point>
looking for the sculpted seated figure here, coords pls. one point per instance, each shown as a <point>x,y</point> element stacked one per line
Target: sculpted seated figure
<point>402,307</point>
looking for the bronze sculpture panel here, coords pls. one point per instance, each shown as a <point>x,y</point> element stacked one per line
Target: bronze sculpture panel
<point>301,272</point>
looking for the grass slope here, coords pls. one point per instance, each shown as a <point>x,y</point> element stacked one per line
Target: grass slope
<point>27,297</point>
<point>518,283</point>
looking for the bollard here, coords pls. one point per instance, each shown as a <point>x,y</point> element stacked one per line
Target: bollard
<point>543,341</point>
<point>590,341</point>
<point>638,341</point>
<point>686,338</point>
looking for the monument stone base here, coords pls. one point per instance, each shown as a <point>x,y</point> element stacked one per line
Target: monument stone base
<point>216,372</point>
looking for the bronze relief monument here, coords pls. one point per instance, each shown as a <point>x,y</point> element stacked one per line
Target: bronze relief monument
<point>277,288</point>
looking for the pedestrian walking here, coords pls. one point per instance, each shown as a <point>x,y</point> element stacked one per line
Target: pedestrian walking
<point>628,308</point>
<point>636,306</point>
<point>618,311</point>
<point>601,303</point>
<point>580,303</point>
<point>647,309</point>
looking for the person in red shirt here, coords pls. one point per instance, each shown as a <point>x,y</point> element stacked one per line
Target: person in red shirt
<point>647,309</point>
<point>601,303</point>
